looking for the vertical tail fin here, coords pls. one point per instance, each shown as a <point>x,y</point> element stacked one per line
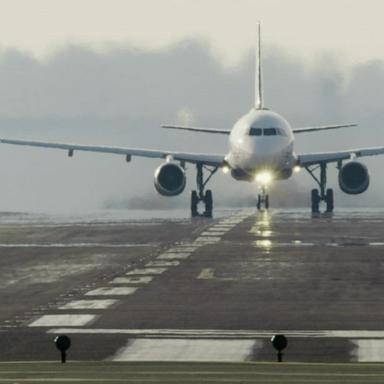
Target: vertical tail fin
<point>258,73</point>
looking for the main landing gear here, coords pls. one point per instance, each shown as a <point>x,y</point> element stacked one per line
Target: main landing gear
<point>200,197</point>
<point>262,199</point>
<point>322,194</point>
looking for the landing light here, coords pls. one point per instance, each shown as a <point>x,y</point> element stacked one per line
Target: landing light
<point>264,178</point>
<point>296,168</point>
<point>225,169</point>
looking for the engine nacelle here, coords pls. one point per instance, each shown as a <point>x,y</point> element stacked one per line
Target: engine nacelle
<point>353,178</point>
<point>170,179</point>
<point>239,174</point>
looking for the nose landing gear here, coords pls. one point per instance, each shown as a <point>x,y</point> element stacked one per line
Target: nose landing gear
<point>262,199</point>
<point>201,197</point>
<point>322,194</point>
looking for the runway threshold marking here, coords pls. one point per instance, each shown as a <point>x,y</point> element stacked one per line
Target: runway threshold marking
<point>172,256</point>
<point>147,271</point>
<point>369,350</point>
<point>182,249</point>
<point>139,276</point>
<point>207,239</point>
<point>132,280</point>
<point>112,291</point>
<point>186,350</point>
<point>63,320</point>
<point>206,274</point>
<point>163,263</point>
<point>89,304</point>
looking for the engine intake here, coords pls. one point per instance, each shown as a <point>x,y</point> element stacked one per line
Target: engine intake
<point>353,178</point>
<point>170,179</point>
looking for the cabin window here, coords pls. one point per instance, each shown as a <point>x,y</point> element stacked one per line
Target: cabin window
<point>270,132</point>
<point>255,132</point>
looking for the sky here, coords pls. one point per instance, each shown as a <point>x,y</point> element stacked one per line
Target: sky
<point>110,72</point>
<point>303,27</point>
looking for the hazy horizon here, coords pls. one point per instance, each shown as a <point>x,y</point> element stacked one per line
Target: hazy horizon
<point>121,96</point>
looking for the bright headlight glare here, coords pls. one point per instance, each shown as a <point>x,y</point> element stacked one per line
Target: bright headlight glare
<point>296,168</point>
<point>264,178</point>
<point>225,169</point>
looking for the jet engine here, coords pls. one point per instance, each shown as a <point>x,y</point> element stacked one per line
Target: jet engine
<point>170,179</point>
<point>353,178</point>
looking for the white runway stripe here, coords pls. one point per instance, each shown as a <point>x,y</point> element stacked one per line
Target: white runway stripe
<point>207,240</point>
<point>186,350</point>
<point>182,249</point>
<point>218,228</point>
<point>147,271</point>
<point>230,334</point>
<point>109,291</point>
<point>70,245</point>
<point>163,263</point>
<point>211,233</point>
<point>62,321</point>
<point>89,304</point>
<point>369,350</point>
<point>172,256</point>
<point>132,280</point>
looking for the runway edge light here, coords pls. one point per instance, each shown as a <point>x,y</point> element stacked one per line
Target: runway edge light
<point>62,343</point>
<point>279,342</point>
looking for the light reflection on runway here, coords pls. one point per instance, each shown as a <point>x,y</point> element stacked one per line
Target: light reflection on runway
<point>317,278</point>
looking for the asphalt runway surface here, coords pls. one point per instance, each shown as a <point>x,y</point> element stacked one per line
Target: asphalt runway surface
<point>195,290</point>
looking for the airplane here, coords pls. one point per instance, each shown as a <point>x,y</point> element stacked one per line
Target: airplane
<point>261,150</point>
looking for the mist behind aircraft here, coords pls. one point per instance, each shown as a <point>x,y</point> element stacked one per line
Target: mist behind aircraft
<point>120,97</point>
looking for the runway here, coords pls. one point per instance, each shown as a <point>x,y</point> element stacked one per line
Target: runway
<point>177,289</point>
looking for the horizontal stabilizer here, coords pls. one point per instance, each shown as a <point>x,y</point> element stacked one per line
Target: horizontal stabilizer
<point>322,128</point>
<point>197,129</point>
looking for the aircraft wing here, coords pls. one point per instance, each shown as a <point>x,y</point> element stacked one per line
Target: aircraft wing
<point>208,159</point>
<point>329,157</point>
<point>322,128</point>
<point>198,129</point>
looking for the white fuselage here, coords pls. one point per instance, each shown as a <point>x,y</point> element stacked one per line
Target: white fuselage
<point>261,140</point>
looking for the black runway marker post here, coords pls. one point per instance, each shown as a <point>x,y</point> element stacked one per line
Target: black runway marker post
<point>279,342</point>
<point>62,343</point>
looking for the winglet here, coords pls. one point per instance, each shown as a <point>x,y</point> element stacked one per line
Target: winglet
<point>258,73</point>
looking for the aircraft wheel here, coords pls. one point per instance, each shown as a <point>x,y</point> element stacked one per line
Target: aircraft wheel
<point>194,202</point>
<point>329,200</point>
<point>266,203</point>
<point>208,200</point>
<point>315,199</point>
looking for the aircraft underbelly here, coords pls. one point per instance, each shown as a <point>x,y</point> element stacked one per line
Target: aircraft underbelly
<point>255,162</point>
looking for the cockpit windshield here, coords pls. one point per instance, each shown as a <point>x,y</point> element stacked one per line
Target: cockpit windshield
<point>265,132</point>
<point>255,132</point>
<point>270,132</point>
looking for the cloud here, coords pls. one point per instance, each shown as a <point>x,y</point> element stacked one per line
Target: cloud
<point>121,96</point>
